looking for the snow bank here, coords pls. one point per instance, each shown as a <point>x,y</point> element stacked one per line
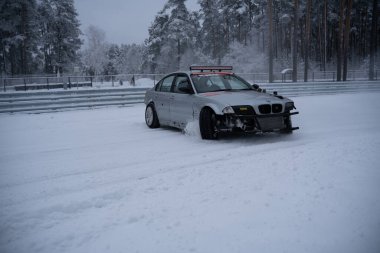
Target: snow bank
<point>101,181</point>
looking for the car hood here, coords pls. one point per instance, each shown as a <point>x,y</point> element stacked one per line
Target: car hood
<point>248,97</point>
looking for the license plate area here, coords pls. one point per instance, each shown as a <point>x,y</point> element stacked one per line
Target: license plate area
<point>271,123</point>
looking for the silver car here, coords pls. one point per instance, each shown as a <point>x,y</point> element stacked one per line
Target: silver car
<point>220,100</point>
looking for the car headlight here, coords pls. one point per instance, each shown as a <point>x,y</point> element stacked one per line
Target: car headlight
<point>228,110</point>
<point>289,106</point>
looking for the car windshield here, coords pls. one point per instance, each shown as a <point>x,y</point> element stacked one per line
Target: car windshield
<point>218,82</point>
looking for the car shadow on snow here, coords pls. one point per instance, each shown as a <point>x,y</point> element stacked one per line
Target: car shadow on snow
<point>192,132</point>
<point>236,137</point>
<point>256,138</point>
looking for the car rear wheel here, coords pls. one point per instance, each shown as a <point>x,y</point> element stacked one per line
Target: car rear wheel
<point>151,118</point>
<point>207,122</point>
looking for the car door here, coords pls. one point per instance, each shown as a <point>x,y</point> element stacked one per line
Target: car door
<point>162,99</point>
<point>181,104</point>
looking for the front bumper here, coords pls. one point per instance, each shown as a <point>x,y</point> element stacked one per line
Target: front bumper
<point>255,123</point>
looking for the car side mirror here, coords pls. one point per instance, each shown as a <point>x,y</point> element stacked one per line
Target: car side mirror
<point>185,87</point>
<point>255,86</point>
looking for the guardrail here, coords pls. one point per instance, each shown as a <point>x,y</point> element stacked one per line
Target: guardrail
<point>42,101</point>
<point>74,82</point>
<point>57,100</point>
<point>321,88</point>
<point>313,76</point>
<point>148,80</point>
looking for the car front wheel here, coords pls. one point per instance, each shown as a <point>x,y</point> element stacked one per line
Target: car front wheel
<point>151,118</point>
<point>289,127</point>
<point>207,122</point>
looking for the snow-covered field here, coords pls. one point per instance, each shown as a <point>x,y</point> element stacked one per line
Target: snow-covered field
<point>101,181</point>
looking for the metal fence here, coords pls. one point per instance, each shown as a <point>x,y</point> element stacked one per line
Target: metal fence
<point>313,76</point>
<point>76,82</point>
<point>149,80</point>
<point>45,82</point>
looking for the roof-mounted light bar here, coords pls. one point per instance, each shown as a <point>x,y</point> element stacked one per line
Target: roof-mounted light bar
<point>211,68</point>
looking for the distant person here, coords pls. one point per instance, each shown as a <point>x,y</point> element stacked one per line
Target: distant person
<point>133,80</point>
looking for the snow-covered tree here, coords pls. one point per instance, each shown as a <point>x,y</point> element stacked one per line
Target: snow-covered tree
<point>154,42</point>
<point>373,40</point>
<point>213,32</point>
<point>113,53</point>
<point>130,59</point>
<point>18,36</point>
<point>173,32</point>
<point>181,31</point>
<point>95,55</point>
<point>237,17</point>
<point>43,36</point>
<point>59,28</point>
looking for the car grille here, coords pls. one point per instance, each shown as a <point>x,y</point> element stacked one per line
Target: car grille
<point>276,108</point>
<point>264,109</point>
<point>271,123</point>
<point>267,109</point>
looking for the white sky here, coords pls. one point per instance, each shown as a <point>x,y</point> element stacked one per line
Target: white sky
<point>124,21</point>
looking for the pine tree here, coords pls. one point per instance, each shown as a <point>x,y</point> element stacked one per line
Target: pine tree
<point>307,40</point>
<point>112,54</point>
<point>212,30</point>
<point>172,34</point>
<point>295,40</point>
<point>18,36</point>
<point>60,33</point>
<point>130,59</point>
<point>237,20</point>
<point>373,45</point>
<point>346,38</point>
<point>179,28</point>
<point>270,41</point>
<point>155,41</point>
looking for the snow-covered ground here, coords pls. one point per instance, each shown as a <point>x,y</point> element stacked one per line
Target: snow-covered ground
<point>101,181</point>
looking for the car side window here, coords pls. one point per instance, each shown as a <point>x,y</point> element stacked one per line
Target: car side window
<point>166,84</point>
<point>158,86</point>
<point>178,80</point>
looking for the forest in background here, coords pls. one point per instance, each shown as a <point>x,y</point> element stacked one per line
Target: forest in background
<point>255,36</point>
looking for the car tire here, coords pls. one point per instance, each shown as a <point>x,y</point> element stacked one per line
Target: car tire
<point>207,121</point>
<point>289,126</point>
<point>151,118</point>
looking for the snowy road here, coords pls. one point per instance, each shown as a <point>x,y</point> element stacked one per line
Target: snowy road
<point>101,181</point>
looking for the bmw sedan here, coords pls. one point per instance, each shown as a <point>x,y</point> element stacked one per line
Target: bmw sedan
<point>220,100</point>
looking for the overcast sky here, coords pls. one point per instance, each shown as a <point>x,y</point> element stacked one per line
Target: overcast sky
<point>124,21</point>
